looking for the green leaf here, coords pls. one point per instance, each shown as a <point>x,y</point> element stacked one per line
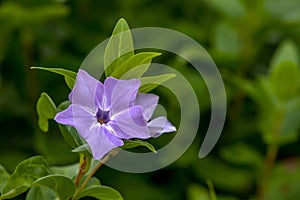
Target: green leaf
<point>197,192</point>
<point>69,170</point>
<point>285,80</point>
<point>41,193</point>
<point>285,180</point>
<point>287,11</point>
<point>135,66</point>
<point>24,175</point>
<point>231,8</point>
<point>287,52</point>
<point>223,175</point>
<point>61,185</point>
<point>226,41</point>
<point>46,110</point>
<point>242,154</point>
<point>101,192</point>
<point>4,175</point>
<point>128,144</point>
<point>119,47</point>
<point>69,76</point>
<point>151,82</point>
<point>83,149</point>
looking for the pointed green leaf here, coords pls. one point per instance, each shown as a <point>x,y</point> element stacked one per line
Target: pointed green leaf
<point>4,175</point>
<point>284,73</point>
<point>68,171</point>
<point>101,192</point>
<point>61,185</point>
<point>119,47</point>
<point>41,193</point>
<point>46,110</point>
<point>24,175</point>
<point>233,8</point>
<point>287,52</point>
<point>149,83</point>
<point>285,80</point>
<point>69,76</point>
<point>83,149</point>
<point>135,66</point>
<point>128,144</point>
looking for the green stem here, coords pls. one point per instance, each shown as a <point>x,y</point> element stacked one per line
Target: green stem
<point>95,169</point>
<point>269,164</point>
<point>82,169</point>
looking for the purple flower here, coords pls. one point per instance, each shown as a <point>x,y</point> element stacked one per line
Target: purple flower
<point>104,114</point>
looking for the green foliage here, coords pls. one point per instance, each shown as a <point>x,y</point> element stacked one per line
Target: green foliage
<point>119,47</point>
<point>128,144</point>
<point>284,181</point>
<point>68,75</point>
<point>135,66</point>
<point>233,8</point>
<point>151,82</point>
<point>61,185</point>
<point>46,110</point>
<point>25,174</point>
<point>101,192</point>
<point>41,193</point>
<point>4,176</point>
<point>283,10</point>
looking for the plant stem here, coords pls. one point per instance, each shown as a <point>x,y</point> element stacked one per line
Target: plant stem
<point>95,169</point>
<point>82,170</point>
<point>269,163</point>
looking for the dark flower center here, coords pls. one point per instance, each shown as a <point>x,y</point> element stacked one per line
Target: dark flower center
<point>102,116</point>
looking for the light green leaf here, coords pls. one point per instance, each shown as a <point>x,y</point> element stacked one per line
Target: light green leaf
<point>226,40</point>
<point>151,82</point>
<point>287,11</point>
<point>287,52</point>
<point>69,170</point>
<point>4,175</point>
<point>224,175</point>
<point>197,192</point>
<point>242,154</point>
<point>231,8</point>
<point>41,193</point>
<point>69,76</point>
<point>25,174</point>
<point>285,80</point>
<point>46,110</point>
<point>119,47</point>
<point>61,185</point>
<point>83,149</point>
<point>101,192</point>
<point>128,144</point>
<point>135,66</point>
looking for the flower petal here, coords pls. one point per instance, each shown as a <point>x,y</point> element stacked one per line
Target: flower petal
<point>99,97</point>
<point>130,124</point>
<point>159,126</point>
<point>148,102</point>
<point>65,117</point>
<point>120,94</point>
<point>109,85</point>
<point>83,119</point>
<point>84,91</point>
<point>101,141</point>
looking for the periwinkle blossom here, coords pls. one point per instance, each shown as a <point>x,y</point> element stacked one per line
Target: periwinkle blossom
<point>104,114</point>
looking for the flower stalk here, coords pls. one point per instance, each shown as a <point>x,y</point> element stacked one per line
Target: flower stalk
<point>111,154</point>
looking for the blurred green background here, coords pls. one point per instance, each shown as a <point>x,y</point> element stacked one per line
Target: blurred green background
<point>254,44</point>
